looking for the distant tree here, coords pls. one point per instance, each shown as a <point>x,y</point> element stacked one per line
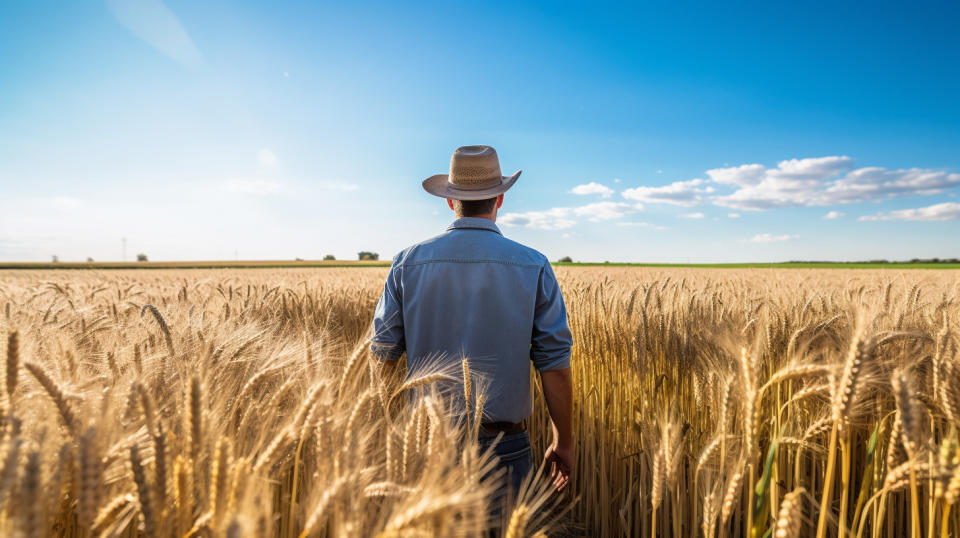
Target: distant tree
<point>298,259</point>
<point>56,259</point>
<point>329,258</point>
<point>89,259</point>
<point>565,259</point>
<point>142,257</point>
<point>368,256</point>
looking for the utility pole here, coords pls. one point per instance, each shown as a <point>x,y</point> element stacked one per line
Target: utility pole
<point>124,241</point>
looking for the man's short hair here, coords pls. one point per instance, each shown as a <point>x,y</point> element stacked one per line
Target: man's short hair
<point>472,208</point>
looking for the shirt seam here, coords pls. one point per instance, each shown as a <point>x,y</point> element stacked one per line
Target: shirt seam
<point>455,228</point>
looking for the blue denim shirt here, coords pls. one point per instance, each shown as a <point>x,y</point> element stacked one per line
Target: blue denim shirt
<point>470,292</point>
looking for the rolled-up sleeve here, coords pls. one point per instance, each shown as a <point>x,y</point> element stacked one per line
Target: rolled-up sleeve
<point>387,342</point>
<point>551,341</point>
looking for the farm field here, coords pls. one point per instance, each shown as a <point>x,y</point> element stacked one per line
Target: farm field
<point>708,402</point>
<point>310,264</point>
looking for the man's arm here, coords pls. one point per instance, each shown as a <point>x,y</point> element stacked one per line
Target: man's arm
<point>550,352</point>
<point>558,392</point>
<point>387,343</point>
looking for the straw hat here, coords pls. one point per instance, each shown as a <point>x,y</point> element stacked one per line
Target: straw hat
<point>474,175</point>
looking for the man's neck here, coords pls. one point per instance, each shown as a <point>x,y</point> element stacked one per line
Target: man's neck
<point>490,216</point>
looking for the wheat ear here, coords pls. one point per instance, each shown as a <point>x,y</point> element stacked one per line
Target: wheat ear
<point>13,363</point>
<point>143,490</point>
<point>167,338</point>
<point>518,522</point>
<point>194,417</point>
<point>730,498</point>
<point>790,517</point>
<point>30,497</point>
<point>56,394</point>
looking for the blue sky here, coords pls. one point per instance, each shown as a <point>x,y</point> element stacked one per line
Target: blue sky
<point>680,132</point>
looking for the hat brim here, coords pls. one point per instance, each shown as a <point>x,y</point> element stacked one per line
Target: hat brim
<point>439,185</point>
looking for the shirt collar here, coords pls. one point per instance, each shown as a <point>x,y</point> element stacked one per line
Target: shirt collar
<point>475,224</point>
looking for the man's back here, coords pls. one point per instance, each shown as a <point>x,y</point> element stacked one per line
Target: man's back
<point>472,293</point>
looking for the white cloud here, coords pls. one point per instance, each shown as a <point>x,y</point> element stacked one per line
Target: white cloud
<point>154,23</point>
<point>641,225</point>
<point>560,218</point>
<point>286,74</point>
<point>557,218</point>
<point>258,187</point>
<point>810,182</point>
<point>936,212</point>
<point>681,193</point>
<point>875,183</point>
<point>265,156</point>
<point>768,238</point>
<point>593,188</point>
<point>605,210</point>
<point>813,168</point>
<point>339,186</point>
<point>61,202</point>
<point>743,175</point>
<point>822,181</point>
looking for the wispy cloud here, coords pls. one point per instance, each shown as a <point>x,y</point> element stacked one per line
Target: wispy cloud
<point>560,218</point>
<point>257,187</point>
<point>60,202</point>
<point>557,218</point>
<point>642,225</point>
<point>592,188</point>
<point>936,212</point>
<point>339,186</point>
<point>822,181</point>
<point>809,182</point>
<point>155,24</point>
<point>606,210</point>
<point>682,193</point>
<point>769,238</point>
<point>266,156</point>
<point>819,181</point>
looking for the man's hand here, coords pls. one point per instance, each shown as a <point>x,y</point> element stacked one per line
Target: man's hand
<point>559,461</point>
<point>558,392</point>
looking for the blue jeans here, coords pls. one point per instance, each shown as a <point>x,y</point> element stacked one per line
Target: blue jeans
<point>514,461</point>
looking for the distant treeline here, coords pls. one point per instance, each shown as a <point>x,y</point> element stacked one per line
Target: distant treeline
<point>915,260</point>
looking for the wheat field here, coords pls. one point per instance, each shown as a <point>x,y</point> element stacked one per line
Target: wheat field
<point>714,403</point>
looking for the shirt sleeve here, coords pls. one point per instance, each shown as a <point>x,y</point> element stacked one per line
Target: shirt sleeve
<point>387,342</point>
<point>551,342</point>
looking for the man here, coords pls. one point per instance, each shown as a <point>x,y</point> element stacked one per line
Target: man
<point>472,293</point>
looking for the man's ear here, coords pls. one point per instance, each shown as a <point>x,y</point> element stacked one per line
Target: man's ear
<point>450,204</point>
<point>499,201</point>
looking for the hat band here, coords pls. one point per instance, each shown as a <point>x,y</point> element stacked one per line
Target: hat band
<point>470,178</point>
<point>478,186</point>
